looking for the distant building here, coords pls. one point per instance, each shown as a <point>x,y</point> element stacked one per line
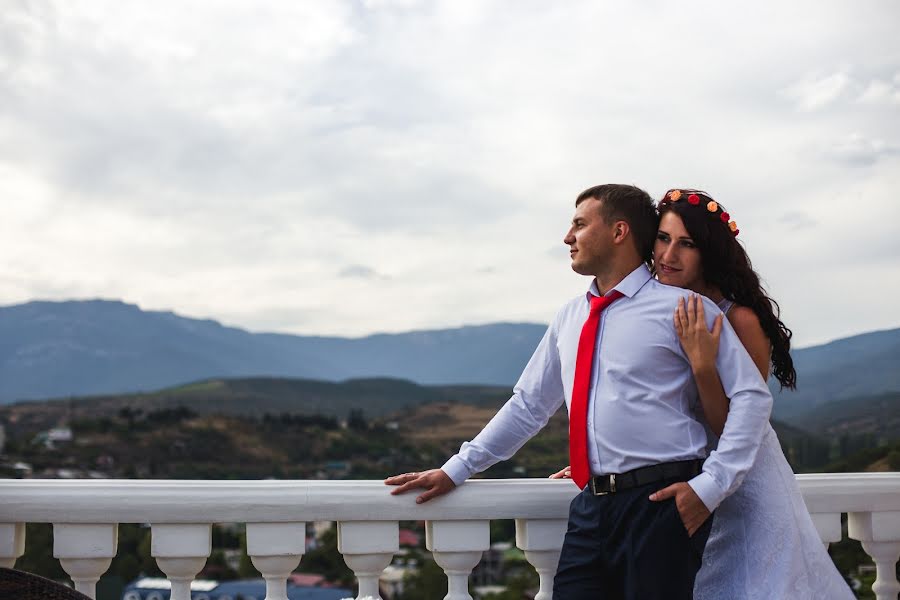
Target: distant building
<point>157,588</point>
<point>337,468</point>
<point>18,470</point>
<point>60,434</point>
<point>52,437</point>
<point>408,537</point>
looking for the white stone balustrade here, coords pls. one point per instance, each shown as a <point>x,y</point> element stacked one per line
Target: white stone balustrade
<point>880,537</point>
<point>457,547</point>
<point>367,548</point>
<point>85,514</point>
<point>85,551</point>
<point>180,551</point>
<point>12,543</point>
<point>542,540</point>
<point>276,550</point>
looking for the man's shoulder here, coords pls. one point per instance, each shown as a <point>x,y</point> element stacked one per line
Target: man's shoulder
<point>669,294</point>
<point>654,292</point>
<point>572,307</point>
<point>654,288</point>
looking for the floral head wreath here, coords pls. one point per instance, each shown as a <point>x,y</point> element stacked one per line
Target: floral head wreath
<point>712,207</point>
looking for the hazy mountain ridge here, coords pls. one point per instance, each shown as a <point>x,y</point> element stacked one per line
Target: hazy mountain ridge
<point>57,349</point>
<point>100,347</point>
<point>855,367</point>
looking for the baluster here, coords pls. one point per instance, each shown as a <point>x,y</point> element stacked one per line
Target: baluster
<point>829,527</point>
<point>181,551</point>
<point>542,541</point>
<point>276,550</point>
<point>879,533</point>
<point>368,547</point>
<point>12,543</point>
<point>85,552</point>
<point>457,547</point>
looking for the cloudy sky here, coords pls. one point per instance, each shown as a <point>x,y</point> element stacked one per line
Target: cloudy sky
<point>365,166</point>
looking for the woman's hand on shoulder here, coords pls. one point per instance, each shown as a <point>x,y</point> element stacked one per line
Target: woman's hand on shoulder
<point>700,344</point>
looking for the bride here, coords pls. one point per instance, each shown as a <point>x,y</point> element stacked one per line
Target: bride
<point>763,544</point>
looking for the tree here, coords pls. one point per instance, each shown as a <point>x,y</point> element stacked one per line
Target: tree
<point>246,569</point>
<point>356,420</point>
<point>327,561</point>
<point>428,582</point>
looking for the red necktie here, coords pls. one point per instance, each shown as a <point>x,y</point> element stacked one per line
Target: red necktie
<point>578,452</point>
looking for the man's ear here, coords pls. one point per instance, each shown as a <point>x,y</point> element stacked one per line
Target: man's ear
<point>621,229</point>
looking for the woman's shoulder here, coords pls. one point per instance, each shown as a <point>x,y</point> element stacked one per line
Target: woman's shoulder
<point>745,323</point>
<point>740,315</point>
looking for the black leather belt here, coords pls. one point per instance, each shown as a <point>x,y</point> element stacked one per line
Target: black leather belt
<point>600,485</point>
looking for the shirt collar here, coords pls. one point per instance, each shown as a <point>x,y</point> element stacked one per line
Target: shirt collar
<point>629,286</point>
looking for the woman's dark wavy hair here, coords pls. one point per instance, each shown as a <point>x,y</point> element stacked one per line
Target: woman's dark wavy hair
<point>726,265</point>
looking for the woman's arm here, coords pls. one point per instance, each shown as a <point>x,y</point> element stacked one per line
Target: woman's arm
<point>746,325</point>
<point>701,346</point>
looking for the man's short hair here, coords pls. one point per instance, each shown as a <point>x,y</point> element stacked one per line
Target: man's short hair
<point>631,204</point>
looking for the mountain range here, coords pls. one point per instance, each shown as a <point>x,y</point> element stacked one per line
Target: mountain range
<point>96,347</point>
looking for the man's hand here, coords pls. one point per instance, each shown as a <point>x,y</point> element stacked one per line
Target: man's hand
<point>690,507</point>
<point>435,482</point>
<point>564,473</point>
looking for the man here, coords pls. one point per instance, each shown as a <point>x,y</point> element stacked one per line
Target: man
<point>615,360</point>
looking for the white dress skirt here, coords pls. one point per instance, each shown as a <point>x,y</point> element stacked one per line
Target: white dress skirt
<point>763,544</point>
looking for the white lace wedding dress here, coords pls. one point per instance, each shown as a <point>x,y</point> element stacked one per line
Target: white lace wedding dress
<point>763,544</point>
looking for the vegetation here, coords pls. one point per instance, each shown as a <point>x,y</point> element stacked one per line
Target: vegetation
<point>192,442</point>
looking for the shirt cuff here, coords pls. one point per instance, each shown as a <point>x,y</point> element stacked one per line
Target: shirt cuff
<point>456,469</point>
<point>708,490</point>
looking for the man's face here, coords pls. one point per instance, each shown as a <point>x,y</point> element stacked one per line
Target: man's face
<point>590,239</point>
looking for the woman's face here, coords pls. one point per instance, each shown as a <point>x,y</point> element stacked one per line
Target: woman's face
<point>676,256</point>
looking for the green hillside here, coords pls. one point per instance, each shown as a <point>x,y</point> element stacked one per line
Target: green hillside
<point>294,428</point>
<point>255,397</point>
<point>878,416</point>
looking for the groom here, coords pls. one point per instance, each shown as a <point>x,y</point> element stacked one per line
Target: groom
<point>613,357</point>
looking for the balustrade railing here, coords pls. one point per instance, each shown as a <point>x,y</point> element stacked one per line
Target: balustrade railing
<point>85,515</point>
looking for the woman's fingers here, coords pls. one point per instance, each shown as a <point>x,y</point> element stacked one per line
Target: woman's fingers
<point>692,313</point>
<point>682,317</point>
<point>699,313</point>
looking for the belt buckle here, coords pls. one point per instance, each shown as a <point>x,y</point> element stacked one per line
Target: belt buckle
<point>612,486</point>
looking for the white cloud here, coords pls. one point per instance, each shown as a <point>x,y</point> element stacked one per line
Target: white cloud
<point>858,150</point>
<point>820,91</point>
<point>882,92</point>
<point>264,164</point>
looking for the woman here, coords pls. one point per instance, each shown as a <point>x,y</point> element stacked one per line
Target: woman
<point>763,543</point>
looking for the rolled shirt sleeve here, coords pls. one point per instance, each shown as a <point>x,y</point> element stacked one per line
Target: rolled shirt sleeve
<point>536,397</point>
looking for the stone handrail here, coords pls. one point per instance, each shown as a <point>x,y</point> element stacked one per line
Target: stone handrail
<point>85,515</point>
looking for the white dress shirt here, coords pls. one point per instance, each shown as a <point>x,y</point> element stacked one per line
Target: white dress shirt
<point>643,401</point>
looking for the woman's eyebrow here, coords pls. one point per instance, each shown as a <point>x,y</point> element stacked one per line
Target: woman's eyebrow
<point>684,237</point>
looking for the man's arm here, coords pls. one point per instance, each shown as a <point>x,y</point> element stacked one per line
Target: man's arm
<point>748,416</point>
<point>536,397</point>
